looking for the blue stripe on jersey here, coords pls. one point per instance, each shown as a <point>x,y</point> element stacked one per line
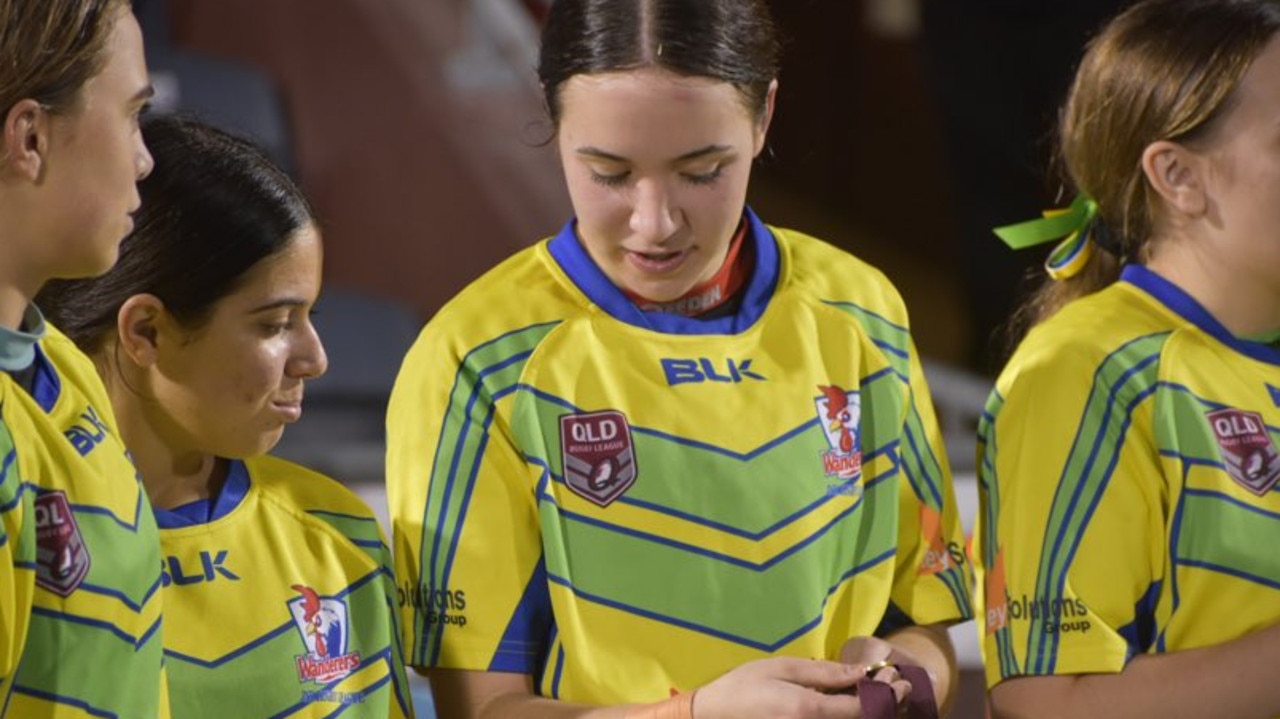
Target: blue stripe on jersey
<point>95,509</point>
<point>136,607</point>
<point>1232,500</point>
<point>1175,537</point>
<point>429,634</point>
<point>362,694</point>
<point>135,642</point>
<point>339,515</point>
<point>925,485</point>
<point>989,486</point>
<point>232,655</point>
<point>547,664</point>
<point>1184,304</point>
<point>684,441</point>
<point>863,310</point>
<point>66,701</point>
<point>1275,394</point>
<point>593,283</point>
<point>1063,548</point>
<point>783,523</point>
<point>1231,571</point>
<point>555,682</point>
<point>524,643</point>
<point>464,368</point>
<point>384,655</point>
<point>701,551</point>
<point>716,633</point>
<point>214,663</point>
<point>702,521</point>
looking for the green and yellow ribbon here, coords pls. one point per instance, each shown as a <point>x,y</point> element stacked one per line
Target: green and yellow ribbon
<point>1073,222</point>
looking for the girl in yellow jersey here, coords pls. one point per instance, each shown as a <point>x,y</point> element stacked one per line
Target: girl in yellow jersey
<point>277,581</point>
<point>1130,455</point>
<point>79,553</point>
<point>673,461</point>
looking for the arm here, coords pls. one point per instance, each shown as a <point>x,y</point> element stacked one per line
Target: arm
<point>1235,679</point>
<point>764,689</point>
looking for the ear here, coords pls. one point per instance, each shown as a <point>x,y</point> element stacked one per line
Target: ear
<point>1176,173</point>
<point>138,326</point>
<point>762,129</point>
<point>26,138</point>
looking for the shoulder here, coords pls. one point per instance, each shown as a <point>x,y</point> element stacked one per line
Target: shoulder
<point>838,278</point>
<point>527,290</point>
<point>313,499</point>
<point>1117,328</point>
<point>69,361</point>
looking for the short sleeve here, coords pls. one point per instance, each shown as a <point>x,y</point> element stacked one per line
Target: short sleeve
<point>932,579</point>
<point>1070,515</point>
<point>467,546</point>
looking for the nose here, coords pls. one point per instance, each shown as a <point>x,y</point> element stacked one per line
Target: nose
<point>143,162</point>
<point>653,215</point>
<point>309,360</point>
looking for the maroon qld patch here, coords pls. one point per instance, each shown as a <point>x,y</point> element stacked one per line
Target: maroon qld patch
<point>1247,449</point>
<point>599,456</point>
<point>62,559</point>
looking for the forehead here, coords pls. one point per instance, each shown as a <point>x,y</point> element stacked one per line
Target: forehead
<point>124,68</point>
<point>650,109</point>
<point>294,268</point>
<point>1258,96</point>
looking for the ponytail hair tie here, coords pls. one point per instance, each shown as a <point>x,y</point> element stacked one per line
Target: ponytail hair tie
<point>1078,223</point>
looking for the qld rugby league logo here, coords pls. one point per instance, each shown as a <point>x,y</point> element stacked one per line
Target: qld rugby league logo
<point>62,559</point>
<point>1248,452</point>
<point>325,629</point>
<point>839,413</point>
<point>599,455</point>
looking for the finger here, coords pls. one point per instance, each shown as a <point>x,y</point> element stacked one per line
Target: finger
<point>888,675</point>
<point>815,673</point>
<point>901,690</point>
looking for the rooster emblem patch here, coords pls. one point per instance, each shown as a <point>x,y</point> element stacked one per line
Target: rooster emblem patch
<point>323,624</point>
<point>839,413</point>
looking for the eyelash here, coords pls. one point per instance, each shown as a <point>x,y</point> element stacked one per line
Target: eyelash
<point>621,179</point>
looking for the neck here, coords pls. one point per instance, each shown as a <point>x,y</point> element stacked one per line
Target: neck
<point>1244,299</point>
<point>13,304</point>
<point>172,474</point>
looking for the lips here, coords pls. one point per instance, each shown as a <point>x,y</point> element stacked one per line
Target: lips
<point>291,409</point>
<point>657,262</point>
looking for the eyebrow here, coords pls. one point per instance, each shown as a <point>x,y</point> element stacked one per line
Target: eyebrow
<point>289,302</point>
<point>700,152</point>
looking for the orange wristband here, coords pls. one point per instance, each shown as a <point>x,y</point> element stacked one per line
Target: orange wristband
<point>679,706</point>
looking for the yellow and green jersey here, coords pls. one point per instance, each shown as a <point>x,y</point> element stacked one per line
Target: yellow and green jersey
<point>279,601</point>
<point>86,551</point>
<point>1128,469</point>
<point>621,503</point>
<point>17,555</point>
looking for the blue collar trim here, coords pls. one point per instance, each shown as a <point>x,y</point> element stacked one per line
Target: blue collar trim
<point>1185,305</point>
<point>203,511</point>
<point>582,270</point>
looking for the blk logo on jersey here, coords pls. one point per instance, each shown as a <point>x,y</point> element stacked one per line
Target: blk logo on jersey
<point>839,413</point>
<point>62,559</point>
<point>1248,452</point>
<point>599,455</point>
<point>325,628</point>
